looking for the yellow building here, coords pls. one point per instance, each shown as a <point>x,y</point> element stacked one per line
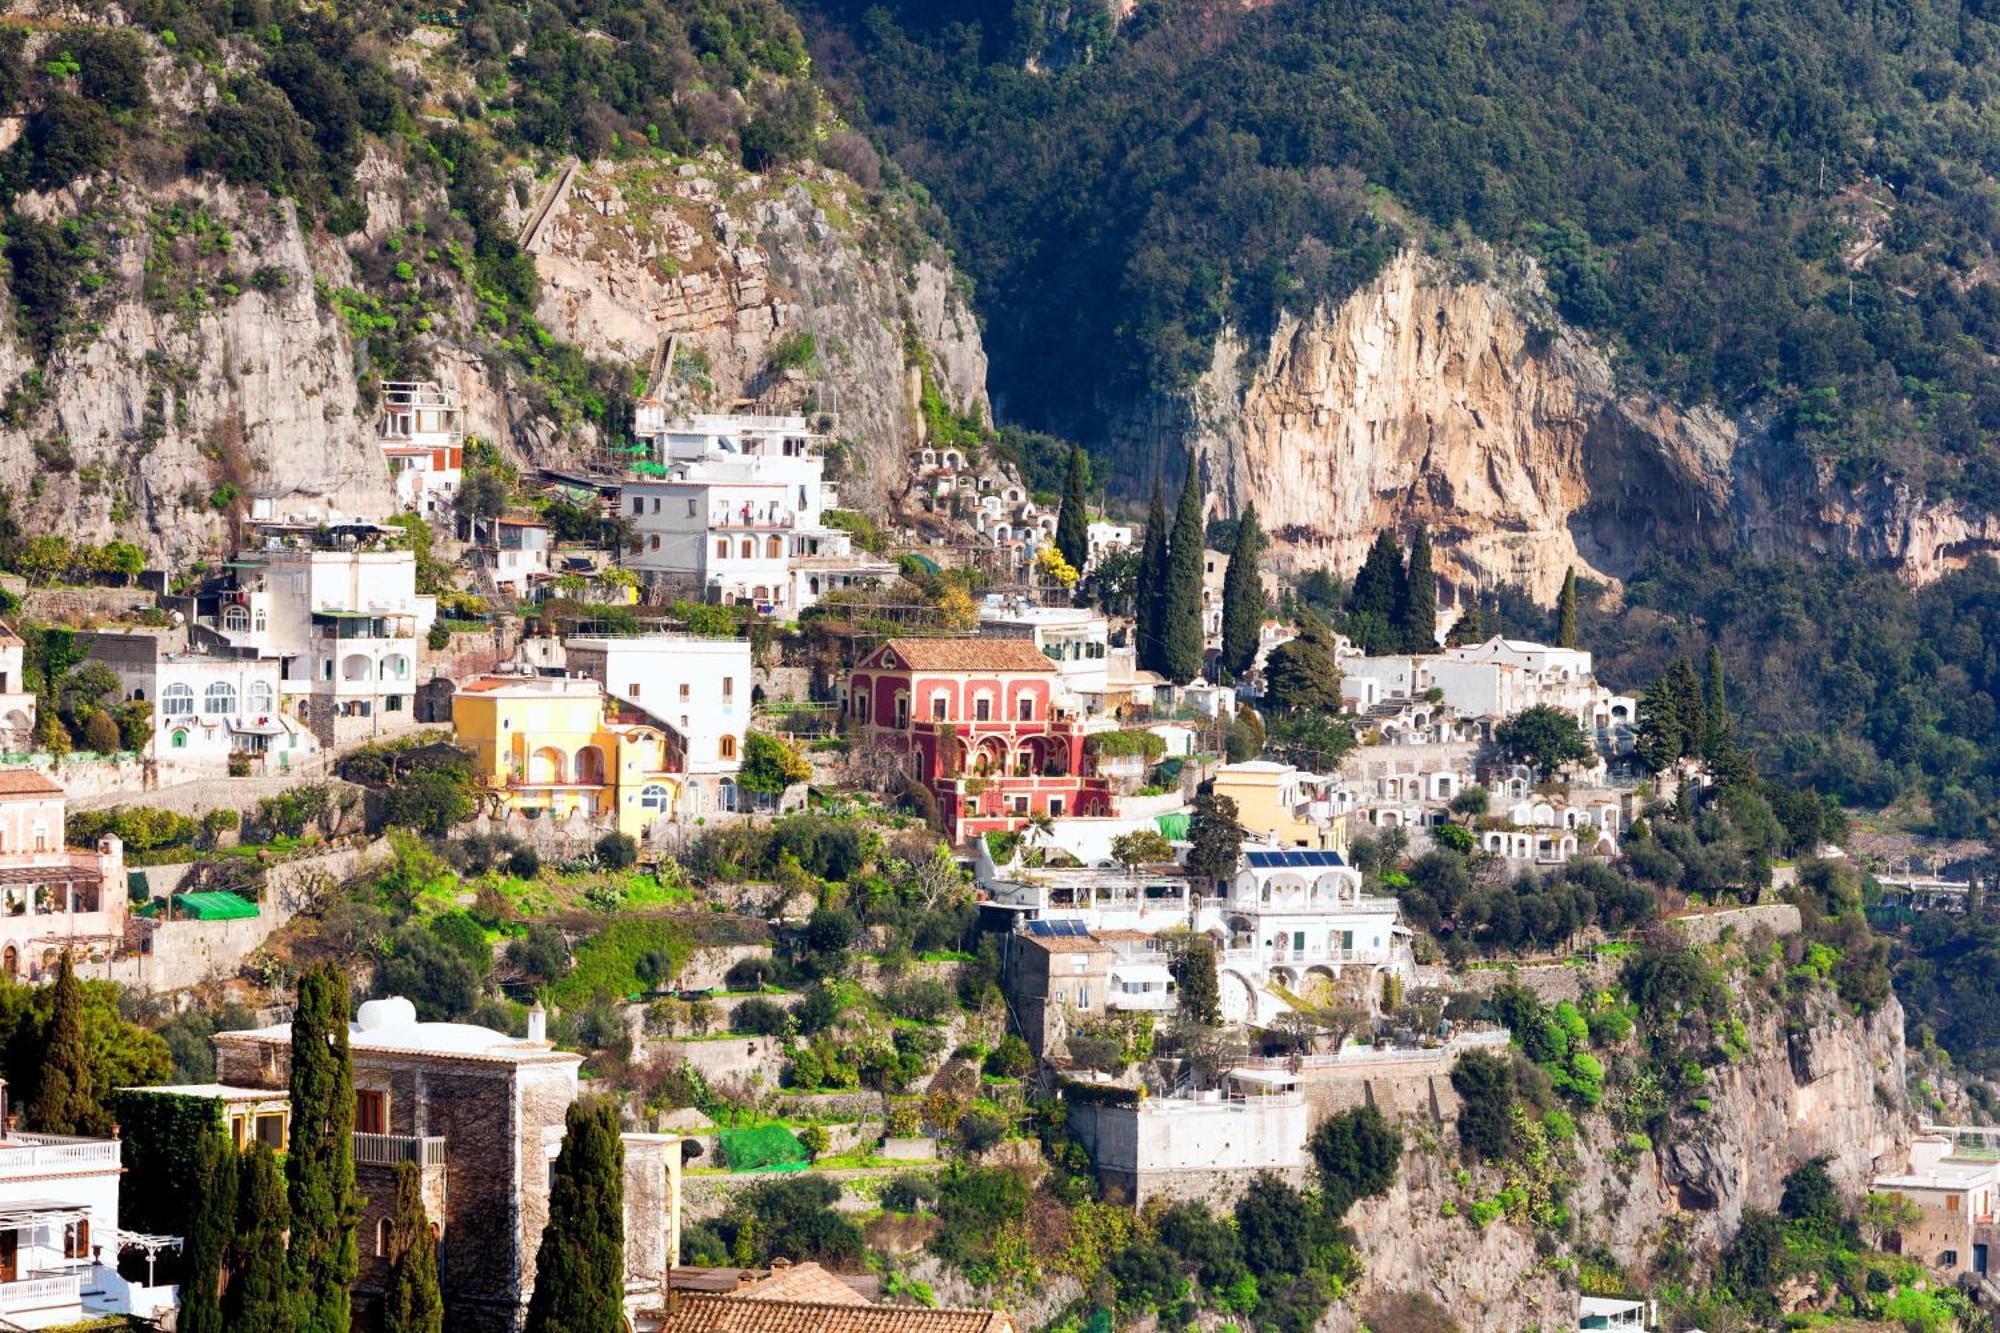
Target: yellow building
<point>1277,801</point>
<point>551,747</point>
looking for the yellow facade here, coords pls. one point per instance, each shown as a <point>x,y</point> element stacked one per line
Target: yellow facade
<point>544,747</point>
<point>1269,804</point>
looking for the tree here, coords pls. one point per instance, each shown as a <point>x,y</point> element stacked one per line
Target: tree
<point>1566,611</point>
<point>66,1100</point>
<point>211,1221</point>
<point>1716,737</point>
<point>1152,584</point>
<point>1182,644</point>
<point>121,559</point>
<point>259,1299</point>
<point>411,1303</point>
<point>100,732</point>
<point>1302,674</point>
<point>1133,850</point>
<point>482,494</point>
<point>1673,718</point>
<point>1243,596</point>
<point>1356,1154</point>
<point>1073,523</point>
<point>1416,607</point>
<point>1192,960</point>
<point>580,1266</point>
<point>1215,838</point>
<point>619,851</point>
<point>1544,736</point>
<point>1484,1083</point>
<point>319,1167</point>
<point>1371,602</point>
<point>770,765</point>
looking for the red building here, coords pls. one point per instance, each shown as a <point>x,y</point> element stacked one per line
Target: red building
<point>975,720</point>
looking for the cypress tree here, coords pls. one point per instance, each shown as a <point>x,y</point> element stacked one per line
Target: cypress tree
<point>412,1303</point>
<point>260,1298</point>
<point>580,1267</point>
<point>1566,611</point>
<point>1073,523</point>
<point>1182,642</point>
<point>320,1165</point>
<point>1150,598</point>
<point>1715,736</point>
<point>66,1100</point>
<point>1371,602</point>
<point>1417,607</point>
<point>1243,596</point>
<point>204,1248</point>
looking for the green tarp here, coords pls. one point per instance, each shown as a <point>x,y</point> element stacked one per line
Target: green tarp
<point>1173,827</point>
<point>766,1148</point>
<point>212,907</point>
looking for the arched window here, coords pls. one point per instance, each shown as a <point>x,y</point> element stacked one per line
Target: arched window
<point>180,740</point>
<point>261,697</point>
<point>177,700</point>
<point>655,798</point>
<point>235,619</point>
<point>726,747</point>
<point>382,1238</point>
<point>219,697</point>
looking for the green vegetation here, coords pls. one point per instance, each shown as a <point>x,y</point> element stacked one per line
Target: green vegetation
<point>319,1163</point>
<point>580,1267</point>
<point>1243,596</point>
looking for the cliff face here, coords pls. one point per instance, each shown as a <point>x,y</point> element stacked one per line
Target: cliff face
<point>1466,405</point>
<point>1833,1089</point>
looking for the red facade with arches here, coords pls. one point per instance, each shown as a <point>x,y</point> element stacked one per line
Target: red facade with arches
<point>977,723</point>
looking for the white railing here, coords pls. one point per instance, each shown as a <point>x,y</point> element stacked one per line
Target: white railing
<point>390,1149</point>
<point>35,1154</point>
<point>40,1293</point>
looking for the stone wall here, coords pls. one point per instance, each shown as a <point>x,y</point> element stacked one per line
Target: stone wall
<point>1708,927</point>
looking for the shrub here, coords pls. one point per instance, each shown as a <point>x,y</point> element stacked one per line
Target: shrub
<point>618,851</point>
<point>760,1017</point>
<point>752,974</point>
<point>980,1129</point>
<point>1011,1058</point>
<point>907,1193</point>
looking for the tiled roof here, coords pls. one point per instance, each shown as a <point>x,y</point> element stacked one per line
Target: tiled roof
<point>702,1313</point>
<point>1066,943</point>
<point>966,655</point>
<point>801,1282</point>
<point>28,783</point>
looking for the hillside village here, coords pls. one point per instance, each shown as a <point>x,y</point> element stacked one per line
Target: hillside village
<point>981,919</point>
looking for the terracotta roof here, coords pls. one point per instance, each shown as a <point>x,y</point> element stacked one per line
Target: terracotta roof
<point>7,634</point>
<point>967,655</point>
<point>1066,943</point>
<point>801,1282</point>
<point>27,782</point>
<point>700,1312</point>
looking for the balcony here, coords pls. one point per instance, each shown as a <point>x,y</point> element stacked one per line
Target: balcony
<point>393,1149</point>
<point>41,1293</point>
<point>45,1154</point>
<point>742,522</point>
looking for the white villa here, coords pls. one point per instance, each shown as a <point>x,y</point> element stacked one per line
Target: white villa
<point>1297,921</point>
<point>420,434</point>
<point>206,705</point>
<point>1075,638</point>
<point>17,704</point>
<point>698,687</point>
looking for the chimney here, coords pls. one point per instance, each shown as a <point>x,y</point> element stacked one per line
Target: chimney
<point>538,1023</point>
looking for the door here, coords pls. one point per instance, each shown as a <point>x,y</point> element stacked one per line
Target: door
<point>1979,1259</point>
<point>10,1254</point>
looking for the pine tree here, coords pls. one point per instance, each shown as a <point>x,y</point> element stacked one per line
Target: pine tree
<point>1470,627</point>
<point>1150,597</point>
<point>1243,596</point>
<point>66,1100</point>
<point>1371,602</point>
<point>1073,523</point>
<point>412,1303</point>
<point>1303,674</point>
<point>1417,605</point>
<point>580,1267</point>
<point>259,1300</point>
<point>320,1165</point>
<point>211,1222</point>
<point>1182,643</point>
<point>1566,611</point>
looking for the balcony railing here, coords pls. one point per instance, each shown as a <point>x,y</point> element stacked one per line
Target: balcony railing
<point>36,1154</point>
<point>391,1149</point>
<point>41,1293</point>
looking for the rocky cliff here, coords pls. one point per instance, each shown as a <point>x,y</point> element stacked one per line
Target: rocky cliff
<point>1464,403</point>
<point>1829,1087</point>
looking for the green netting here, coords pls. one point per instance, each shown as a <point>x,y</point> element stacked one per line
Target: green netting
<point>766,1148</point>
<point>1173,827</point>
<point>213,907</point>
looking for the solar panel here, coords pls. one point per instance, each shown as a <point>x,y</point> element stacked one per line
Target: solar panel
<point>1040,929</point>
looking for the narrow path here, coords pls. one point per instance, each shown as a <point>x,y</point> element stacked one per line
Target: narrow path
<point>531,231</point>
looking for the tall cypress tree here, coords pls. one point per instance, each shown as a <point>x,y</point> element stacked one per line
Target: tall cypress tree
<point>1566,611</point>
<point>1182,642</point>
<point>205,1246</point>
<point>1371,602</point>
<point>412,1303</point>
<point>320,1166</point>
<point>1243,596</point>
<point>1715,737</point>
<point>66,1098</point>
<point>580,1267</point>
<point>259,1300</point>
<point>1150,599</point>
<point>1073,523</point>
<point>1417,607</point>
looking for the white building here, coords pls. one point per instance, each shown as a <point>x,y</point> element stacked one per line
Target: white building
<point>1611,1312</point>
<point>339,612</point>
<point>1075,638</point>
<point>206,706</point>
<point>1107,538</point>
<point>699,687</point>
<point>520,554</point>
<point>17,705</point>
<point>52,897</point>
<point>420,435</point>
<point>1187,1145</point>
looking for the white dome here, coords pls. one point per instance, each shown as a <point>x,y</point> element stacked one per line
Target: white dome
<point>394,1012</point>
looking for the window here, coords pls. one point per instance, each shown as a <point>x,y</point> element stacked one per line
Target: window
<point>76,1239</point>
<point>902,711</point>
<point>748,550</point>
<point>726,747</point>
<point>180,739</point>
<point>728,688</point>
<point>1950,1258</point>
<point>722,548</point>
<point>774,548</point>
<point>655,542</point>
<point>1083,997</point>
<point>235,619</point>
<point>261,697</point>
<point>684,691</point>
<point>690,507</point>
<point>1026,707</point>
<point>982,708</point>
<point>937,707</point>
<point>632,690</point>
<point>239,1126</point>
<point>271,1130</point>
<point>260,620</point>
<point>638,505</point>
<point>371,1111</point>
<point>381,1238</point>
<point>861,707</point>
<point>655,798</point>
<point>656,504</point>
<point>1020,805</point>
<point>1951,1203</point>
<point>1055,807</point>
<point>177,700</point>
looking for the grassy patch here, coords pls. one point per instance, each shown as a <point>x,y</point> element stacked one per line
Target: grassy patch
<point>608,963</point>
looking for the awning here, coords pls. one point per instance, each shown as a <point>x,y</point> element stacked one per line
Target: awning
<point>214,906</point>
<point>263,726</point>
<point>1264,1078</point>
<point>34,1212</point>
